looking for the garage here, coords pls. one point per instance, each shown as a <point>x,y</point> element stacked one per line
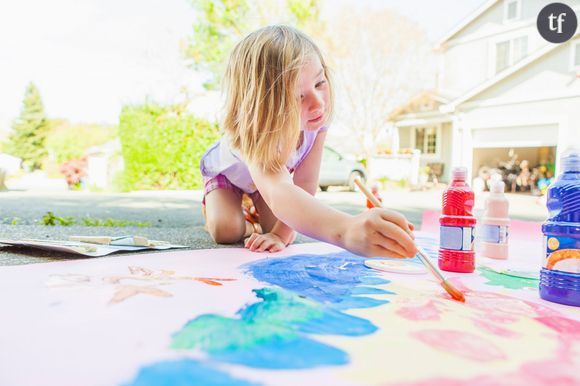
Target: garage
<point>524,156</point>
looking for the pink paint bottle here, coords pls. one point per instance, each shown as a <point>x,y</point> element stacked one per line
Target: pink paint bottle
<point>493,232</point>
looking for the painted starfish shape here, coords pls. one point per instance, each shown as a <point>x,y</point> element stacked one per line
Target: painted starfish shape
<point>163,276</point>
<point>127,291</point>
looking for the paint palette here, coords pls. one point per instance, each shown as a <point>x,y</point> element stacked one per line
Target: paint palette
<point>395,266</point>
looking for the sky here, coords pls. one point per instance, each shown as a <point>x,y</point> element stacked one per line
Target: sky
<point>89,58</point>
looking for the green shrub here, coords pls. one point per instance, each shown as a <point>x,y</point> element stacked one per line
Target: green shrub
<point>68,141</point>
<point>162,147</point>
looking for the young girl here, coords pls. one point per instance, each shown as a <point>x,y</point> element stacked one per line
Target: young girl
<point>278,104</point>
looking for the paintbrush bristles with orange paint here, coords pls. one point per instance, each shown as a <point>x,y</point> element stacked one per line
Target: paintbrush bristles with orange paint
<point>451,290</point>
<point>454,292</point>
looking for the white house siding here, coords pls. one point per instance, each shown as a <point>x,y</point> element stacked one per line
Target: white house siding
<point>531,8</point>
<point>465,57</point>
<point>536,106</point>
<point>447,150</point>
<point>549,76</point>
<point>491,22</point>
<point>464,67</point>
<point>404,137</point>
<point>526,124</point>
<point>468,57</point>
<point>445,145</point>
<point>486,23</point>
<point>534,109</point>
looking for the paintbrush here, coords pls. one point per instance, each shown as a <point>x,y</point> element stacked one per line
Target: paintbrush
<point>451,290</point>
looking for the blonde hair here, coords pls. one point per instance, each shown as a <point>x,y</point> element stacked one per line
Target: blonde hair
<point>262,108</point>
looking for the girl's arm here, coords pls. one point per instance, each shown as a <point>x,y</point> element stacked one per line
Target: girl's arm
<point>306,177</point>
<point>306,174</point>
<point>377,232</point>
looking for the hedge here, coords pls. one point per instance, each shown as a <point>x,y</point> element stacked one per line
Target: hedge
<point>162,146</point>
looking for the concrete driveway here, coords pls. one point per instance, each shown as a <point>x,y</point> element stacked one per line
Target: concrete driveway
<point>175,216</point>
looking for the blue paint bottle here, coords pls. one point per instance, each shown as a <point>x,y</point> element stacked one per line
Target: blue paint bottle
<point>560,275</point>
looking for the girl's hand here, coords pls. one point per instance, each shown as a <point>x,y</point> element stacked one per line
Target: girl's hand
<point>270,242</point>
<point>380,232</point>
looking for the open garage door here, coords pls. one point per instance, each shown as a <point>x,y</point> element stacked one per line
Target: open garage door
<point>523,155</point>
<point>523,169</point>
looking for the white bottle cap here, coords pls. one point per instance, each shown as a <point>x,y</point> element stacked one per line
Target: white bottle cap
<point>571,159</point>
<point>459,174</point>
<point>497,186</point>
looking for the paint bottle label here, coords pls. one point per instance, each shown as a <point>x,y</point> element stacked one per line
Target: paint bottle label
<point>457,238</point>
<point>562,254</point>
<point>496,234</point>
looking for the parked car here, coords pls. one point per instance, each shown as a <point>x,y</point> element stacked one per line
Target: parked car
<point>336,170</point>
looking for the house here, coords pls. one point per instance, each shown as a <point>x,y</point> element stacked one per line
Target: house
<point>500,86</point>
<point>103,163</point>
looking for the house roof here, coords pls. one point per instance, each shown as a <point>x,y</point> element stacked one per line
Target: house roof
<point>465,22</point>
<point>503,75</point>
<point>424,95</point>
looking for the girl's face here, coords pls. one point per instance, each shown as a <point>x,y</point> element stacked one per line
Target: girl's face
<point>314,95</point>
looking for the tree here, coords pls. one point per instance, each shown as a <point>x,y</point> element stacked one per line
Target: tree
<point>380,60</point>
<point>30,130</point>
<point>221,23</point>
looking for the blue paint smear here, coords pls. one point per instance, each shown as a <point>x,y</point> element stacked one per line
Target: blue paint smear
<point>316,287</point>
<point>318,319</point>
<point>273,333</point>
<point>278,353</point>
<point>359,302</point>
<point>370,291</point>
<point>330,278</point>
<point>184,372</point>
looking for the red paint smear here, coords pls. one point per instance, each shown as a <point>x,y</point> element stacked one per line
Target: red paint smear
<point>457,283</point>
<point>541,373</point>
<point>494,329</point>
<point>501,308</point>
<point>551,372</point>
<point>561,324</point>
<point>567,378</point>
<point>504,309</point>
<point>463,344</point>
<point>561,369</point>
<point>426,312</point>
<point>543,310</point>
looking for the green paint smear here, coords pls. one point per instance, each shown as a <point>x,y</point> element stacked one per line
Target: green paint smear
<point>276,317</point>
<point>507,281</point>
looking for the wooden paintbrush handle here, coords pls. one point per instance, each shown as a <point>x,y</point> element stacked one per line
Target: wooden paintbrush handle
<point>367,193</point>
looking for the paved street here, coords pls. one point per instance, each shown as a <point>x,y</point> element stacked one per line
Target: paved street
<point>175,216</point>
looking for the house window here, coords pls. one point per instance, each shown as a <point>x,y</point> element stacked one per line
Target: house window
<point>512,10</point>
<point>502,55</point>
<point>520,48</point>
<point>510,52</point>
<point>426,140</point>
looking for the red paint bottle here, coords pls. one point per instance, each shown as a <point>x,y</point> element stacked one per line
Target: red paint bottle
<point>456,252</point>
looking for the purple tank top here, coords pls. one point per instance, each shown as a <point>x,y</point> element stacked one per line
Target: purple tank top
<point>220,158</point>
